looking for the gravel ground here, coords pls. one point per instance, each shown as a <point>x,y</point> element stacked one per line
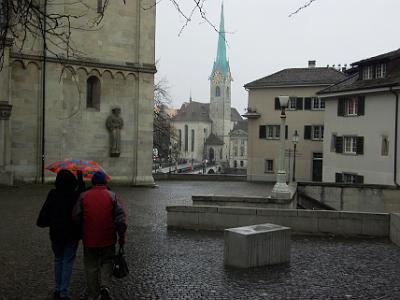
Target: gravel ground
<point>170,264</point>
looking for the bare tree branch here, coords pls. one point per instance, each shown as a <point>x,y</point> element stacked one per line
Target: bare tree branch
<point>302,7</point>
<point>23,20</point>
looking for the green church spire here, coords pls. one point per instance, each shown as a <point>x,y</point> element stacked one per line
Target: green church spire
<point>221,64</point>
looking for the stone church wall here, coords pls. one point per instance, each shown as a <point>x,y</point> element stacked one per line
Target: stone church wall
<point>121,55</point>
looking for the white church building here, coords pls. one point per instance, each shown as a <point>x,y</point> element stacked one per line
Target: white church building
<point>203,130</point>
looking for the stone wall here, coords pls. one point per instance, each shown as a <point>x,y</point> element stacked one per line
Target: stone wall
<point>395,228</point>
<point>120,53</point>
<point>301,221</point>
<point>199,177</point>
<point>243,201</point>
<point>349,197</point>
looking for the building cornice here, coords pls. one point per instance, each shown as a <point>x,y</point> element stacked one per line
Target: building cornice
<point>132,67</point>
<point>285,86</point>
<point>357,92</point>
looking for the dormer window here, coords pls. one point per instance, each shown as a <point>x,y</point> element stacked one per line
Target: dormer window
<point>380,71</point>
<point>368,72</point>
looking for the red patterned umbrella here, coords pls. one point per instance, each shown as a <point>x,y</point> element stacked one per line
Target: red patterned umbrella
<point>88,167</point>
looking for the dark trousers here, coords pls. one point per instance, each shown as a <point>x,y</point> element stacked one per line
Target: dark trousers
<point>98,268</point>
<point>64,257</point>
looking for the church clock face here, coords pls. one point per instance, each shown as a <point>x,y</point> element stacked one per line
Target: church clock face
<point>217,77</point>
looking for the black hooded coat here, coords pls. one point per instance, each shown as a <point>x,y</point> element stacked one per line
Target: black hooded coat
<point>57,210</point>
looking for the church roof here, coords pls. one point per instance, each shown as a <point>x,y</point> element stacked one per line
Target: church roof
<point>241,125</point>
<point>193,111</point>
<point>200,112</point>
<point>238,132</point>
<point>235,116</point>
<point>299,76</point>
<point>213,140</point>
<point>221,63</point>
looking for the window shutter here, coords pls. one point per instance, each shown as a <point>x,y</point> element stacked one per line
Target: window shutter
<point>286,132</point>
<point>333,143</point>
<point>277,104</point>
<point>338,177</point>
<point>299,103</point>
<point>361,105</point>
<point>307,132</point>
<point>307,103</point>
<point>341,106</point>
<point>359,179</point>
<point>360,145</point>
<point>339,144</point>
<point>263,132</point>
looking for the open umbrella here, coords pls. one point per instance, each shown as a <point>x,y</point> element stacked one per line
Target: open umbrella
<point>88,167</point>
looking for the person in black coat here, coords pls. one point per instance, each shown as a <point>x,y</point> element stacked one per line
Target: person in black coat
<point>56,213</point>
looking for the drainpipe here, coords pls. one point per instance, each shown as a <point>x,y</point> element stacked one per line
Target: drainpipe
<point>395,136</point>
<point>44,88</point>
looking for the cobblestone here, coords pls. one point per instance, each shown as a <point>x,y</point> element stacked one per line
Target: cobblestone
<point>171,264</point>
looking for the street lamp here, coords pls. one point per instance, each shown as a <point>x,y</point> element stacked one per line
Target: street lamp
<point>295,140</point>
<point>281,189</point>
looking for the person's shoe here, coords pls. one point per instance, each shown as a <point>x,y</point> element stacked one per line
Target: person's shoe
<point>105,294</point>
<point>56,295</point>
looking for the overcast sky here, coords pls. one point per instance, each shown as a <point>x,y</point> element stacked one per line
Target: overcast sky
<point>262,39</point>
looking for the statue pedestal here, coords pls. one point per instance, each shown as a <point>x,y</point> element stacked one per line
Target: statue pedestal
<point>143,181</point>
<point>281,189</point>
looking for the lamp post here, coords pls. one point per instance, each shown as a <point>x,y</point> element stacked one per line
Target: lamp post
<point>295,140</point>
<point>281,189</point>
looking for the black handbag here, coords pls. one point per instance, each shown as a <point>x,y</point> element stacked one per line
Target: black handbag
<point>120,268</point>
<point>43,219</point>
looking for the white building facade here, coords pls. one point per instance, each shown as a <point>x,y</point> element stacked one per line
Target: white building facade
<point>361,123</point>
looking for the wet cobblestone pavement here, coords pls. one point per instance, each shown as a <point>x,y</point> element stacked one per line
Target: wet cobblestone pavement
<point>168,264</point>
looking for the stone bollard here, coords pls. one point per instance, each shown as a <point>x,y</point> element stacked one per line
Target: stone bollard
<point>257,245</point>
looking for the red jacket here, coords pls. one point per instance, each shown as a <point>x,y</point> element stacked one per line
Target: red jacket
<point>102,217</point>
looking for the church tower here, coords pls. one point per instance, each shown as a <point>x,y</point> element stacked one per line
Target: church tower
<point>220,92</point>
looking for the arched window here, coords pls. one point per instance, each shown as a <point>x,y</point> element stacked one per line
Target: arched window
<point>100,6</point>
<point>180,139</point>
<point>186,138</point>
<point>192,141</point>
<point>93,92</point>
<point>217,91</point>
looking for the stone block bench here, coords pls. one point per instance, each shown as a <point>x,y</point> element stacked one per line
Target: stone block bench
<point>257,245</point>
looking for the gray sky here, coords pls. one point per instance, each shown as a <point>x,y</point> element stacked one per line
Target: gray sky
<point>262,39</point>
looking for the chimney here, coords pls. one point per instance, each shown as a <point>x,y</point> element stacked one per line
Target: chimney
<point>312,63</point>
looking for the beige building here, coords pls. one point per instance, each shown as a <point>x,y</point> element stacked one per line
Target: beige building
<point>54,108</point>
<point>305,114</point>
<point>361,123</point>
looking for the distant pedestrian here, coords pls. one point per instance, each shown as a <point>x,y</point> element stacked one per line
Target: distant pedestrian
<point>56,213</point>
<point>102,217</point>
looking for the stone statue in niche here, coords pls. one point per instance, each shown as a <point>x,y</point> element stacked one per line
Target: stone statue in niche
<point>114,124</point>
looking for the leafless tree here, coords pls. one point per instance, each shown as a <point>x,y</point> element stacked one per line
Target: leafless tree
<point>50,22</point>
<point>162,129</point>
<point>41,20</point>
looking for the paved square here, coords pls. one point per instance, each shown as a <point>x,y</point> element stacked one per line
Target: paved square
<point>189,265</point>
